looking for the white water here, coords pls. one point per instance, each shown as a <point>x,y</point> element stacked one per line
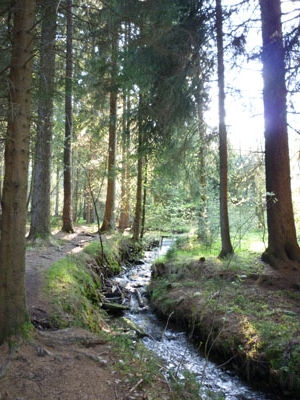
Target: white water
<point>173,347</point>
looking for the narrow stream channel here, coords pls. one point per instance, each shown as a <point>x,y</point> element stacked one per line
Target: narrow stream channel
<point>173,346</point>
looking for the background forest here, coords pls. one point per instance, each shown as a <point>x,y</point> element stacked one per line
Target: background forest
<point>128,103</point>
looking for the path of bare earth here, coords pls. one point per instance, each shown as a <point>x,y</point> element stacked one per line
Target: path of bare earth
<point>68,364</point>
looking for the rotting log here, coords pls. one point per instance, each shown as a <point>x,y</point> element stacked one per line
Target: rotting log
<point>115,307</point>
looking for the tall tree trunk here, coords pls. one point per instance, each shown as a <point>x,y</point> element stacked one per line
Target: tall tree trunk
<point>57,190</point>
<point>40,205</point>
<point>143,218</point>
<point>124,212</point>
<point>109,222</point>
<point>13,312</point>
<point>199,98</point>
<point>67,216</point>
<point>139,197</point>
<point>137,224</point>
<point>283,249</point>
<point>125,177</point>
<point>227,248</point>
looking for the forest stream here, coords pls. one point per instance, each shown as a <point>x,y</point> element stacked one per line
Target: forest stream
<point>172,345</point>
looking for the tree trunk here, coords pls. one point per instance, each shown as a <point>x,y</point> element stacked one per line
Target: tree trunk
<point>13,312</point>
<point>57,185</point>
<point>109,214</point>
<point>137,223</point>
<point>203,231</point>
<point>143,218</point>
<point>283,249</point>
<point>227,248</point>
<point>67,216</point>
<point>125,177</point>
<point>40,206</point>
<point>139,197</point>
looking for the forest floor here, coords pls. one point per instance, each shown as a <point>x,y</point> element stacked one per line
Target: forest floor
<point>66,364</point>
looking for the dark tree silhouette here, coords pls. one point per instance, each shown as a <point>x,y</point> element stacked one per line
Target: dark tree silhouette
<point>283,249</point>
<point>13,311</point>
<point>227,248</point>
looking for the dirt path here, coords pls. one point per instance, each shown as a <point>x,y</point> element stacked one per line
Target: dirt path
<point>39,259</point>
<point>69,364</point>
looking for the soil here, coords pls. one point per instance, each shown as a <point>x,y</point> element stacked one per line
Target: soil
<point>67,364</point>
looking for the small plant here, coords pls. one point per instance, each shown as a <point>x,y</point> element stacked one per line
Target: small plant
<point>27,330</point>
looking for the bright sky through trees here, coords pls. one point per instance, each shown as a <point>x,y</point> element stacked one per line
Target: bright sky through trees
<point>244,104</point>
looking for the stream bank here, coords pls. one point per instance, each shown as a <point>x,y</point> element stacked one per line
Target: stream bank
<point>181,359</point>
<point>239,315</point>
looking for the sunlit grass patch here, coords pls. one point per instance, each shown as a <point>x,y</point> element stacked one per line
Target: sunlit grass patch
<point>74,293</point>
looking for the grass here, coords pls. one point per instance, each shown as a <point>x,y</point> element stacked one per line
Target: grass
<point>75,293</point>
<point>138,364</point>
<point>76,290</point>
<point>258,324</point>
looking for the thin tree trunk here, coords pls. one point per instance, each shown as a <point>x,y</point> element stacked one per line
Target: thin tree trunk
<point>109,214</point>
<point>57,191</point>
<point>139,187</point>
<point>124,213</point>
<point>40,205</point>
<point>13,312</point>
<point>203,223</point>
<point>67,208</point>
<point>227,248</point>
<point>143,218</point>
<point>139,199</point>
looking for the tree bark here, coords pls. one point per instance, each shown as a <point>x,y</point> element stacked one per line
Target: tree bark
<point>13,312</point>
<point>109,222</point>
<point>125,177</point>
<point>40,206</point>
<point>283,249</point>
<point>227,248</point>
<point>67,216</point>
<point>145,184</point>
<point>137,223</point>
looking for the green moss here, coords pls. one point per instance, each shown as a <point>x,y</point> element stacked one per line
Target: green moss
<point>76,295</point>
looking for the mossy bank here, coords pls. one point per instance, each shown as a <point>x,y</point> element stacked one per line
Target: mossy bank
<point>236,311</point>
<point>74,286</point>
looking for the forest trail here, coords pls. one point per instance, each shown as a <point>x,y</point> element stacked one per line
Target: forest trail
<point>67,364</point>
<point>39,259</point>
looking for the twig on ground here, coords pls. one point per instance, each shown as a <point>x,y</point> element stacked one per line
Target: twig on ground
<point>136,385</point>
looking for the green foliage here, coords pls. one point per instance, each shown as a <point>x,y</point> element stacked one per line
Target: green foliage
<point>75,293</point>
<point>93,249</point>
<point>185,388</point>
<point>27,330</point>
<point>110,257</point>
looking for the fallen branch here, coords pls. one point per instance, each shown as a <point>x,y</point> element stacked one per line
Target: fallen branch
<point>139,298</point>
<point>136,385</point>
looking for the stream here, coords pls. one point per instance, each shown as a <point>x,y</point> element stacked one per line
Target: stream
<point>172,345</point>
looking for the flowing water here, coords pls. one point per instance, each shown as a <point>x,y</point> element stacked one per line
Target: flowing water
<point>173,346</point>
